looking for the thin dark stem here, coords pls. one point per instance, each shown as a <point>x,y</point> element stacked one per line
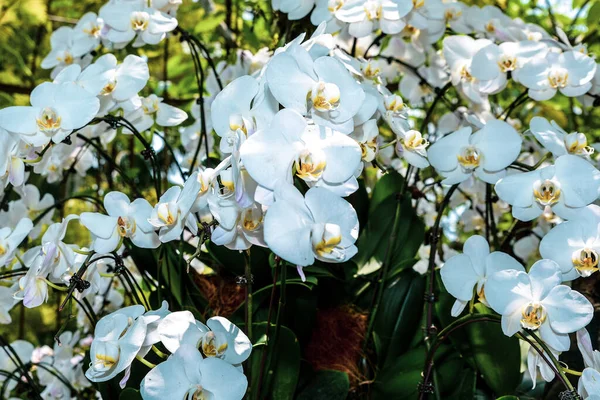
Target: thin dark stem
<point>516,102</point>
<point>435,237</point>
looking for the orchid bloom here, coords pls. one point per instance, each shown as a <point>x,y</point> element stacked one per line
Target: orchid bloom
<point>486,153</point>
<point>323,89</point>
<point>589,383</point>
<point>467,273</point>
<point>133,19</point>
<point>320,156</point>
<point>320,226</point>
<point>538,302</point>
<point>575,245</point>
<point>557,141</point>
<point>570,72</point>
<point>566,187</point>
<point>55,111</point>
<point>366,16</point>
<point>10,239</point>
<point>118,337</point>
<point>125,219</point>
<point>186,374</point>
<point>172,212</point>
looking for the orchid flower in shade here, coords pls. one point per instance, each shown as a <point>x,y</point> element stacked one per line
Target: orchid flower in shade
<point>87,33</point>
<point>535,362</point>
<point>133,19</point>
<point>295,9</point>
<point>492,63</point>
<point>366,16</point>
<point>320,225</point>
<point>12,165</point>
<point>7,302</point>
<point>55,111</point>
<point>185,374</point>
<point>486,153</point>
<point>320,156</point>
<point>52,243</point>
<point>366,136</point>
<point>240,225</point>
<point>567,187</point>
<point>322,89</point>
<point>459,52</point>
<point>125,219</point>
<point>575,245</point>
<point>24,351</point>
<point>244,104</point>
<point>465,275</point>
<point>412,147</point>
<point>536,301</point>
<point>64,52</point>
<point>557,141</point>
<point>570,72</point>
<point>10,239</point>
<point>172,212</point>
<point>31,205</point>
<point>153,110</point>
<point>324,11</point>
<point>589,383</point>
<point>218,338</point>
<point>123,81</point>
<point>118,337</point>
<point>33,287</point>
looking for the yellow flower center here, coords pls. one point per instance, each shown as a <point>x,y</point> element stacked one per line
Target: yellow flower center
<point>413,140</point>
<point>558,78</point>
<point>334,5</point>
<point>469,157</point>
<point>48,120</point>
<point>452,14</point>
<point>212,346</point>
<point>507,63</point>
<point>373,10</point>
<point>325,96</point>
<point>139,20</point>
<point>546,193</point>
<point>585,261</point>
<point>533,316</point>
<point>126,226</point>
<point>310,166</point>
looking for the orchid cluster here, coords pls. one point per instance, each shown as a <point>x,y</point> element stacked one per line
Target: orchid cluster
<point>284,161</point>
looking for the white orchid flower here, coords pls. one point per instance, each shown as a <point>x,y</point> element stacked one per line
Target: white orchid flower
<point>320,225</point>
<point>589,383</point>
<point>538,302</point>
<point>31,206</point>
<point>187,374</point>
<point>52,242</point>
<point>465,275</point>
<point>295,9</point>
<point>459,52</point>
<point>575,245</point>
<point>172,212</point>
<point>118,337</point>
<point>10,239</point>
<point>7,302</point>
<point>244,104</point>
<point>180,328</point>
<point>567,187</point>
<point>87,33</point>
<point>324,12</point>
<point>486,153</point>
<point>153,110</point>
<point>366,136</point>
<point>492,63</point>
<point>320,156</point>
<point>412,147</point>
<point>133,19</point>
<point>55,111</point>
<point>366,16</point>
<point>64,52</point>
<point>557,141</point>
<point>535,362</point>
<point>125,219</point>
<point>33,287</point>
<point>323,89</point>
<point>570,72</point>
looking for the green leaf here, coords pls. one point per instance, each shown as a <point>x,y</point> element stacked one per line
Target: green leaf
<point>326,385</point>
<point>594,14</point>
<point>279,381</point>
<point>498,357</point>
<point>399,314</point>
<point>130,394</point>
